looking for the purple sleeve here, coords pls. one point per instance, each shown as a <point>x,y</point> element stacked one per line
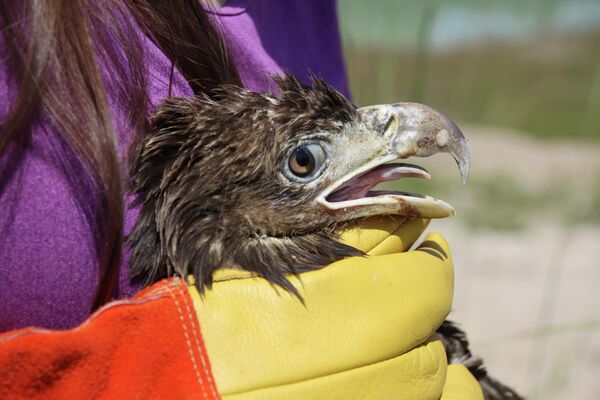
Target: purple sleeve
<point>300,36</point>
<point>48,261</point>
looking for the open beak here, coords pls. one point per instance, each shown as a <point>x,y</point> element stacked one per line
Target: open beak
<point>407,130</point>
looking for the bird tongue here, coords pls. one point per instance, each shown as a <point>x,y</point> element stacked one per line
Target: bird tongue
<point>360,185</point>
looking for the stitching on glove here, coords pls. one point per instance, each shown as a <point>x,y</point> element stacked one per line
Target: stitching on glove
<point>168,288</point>
<point>195,327</point>
<point>187,340</point>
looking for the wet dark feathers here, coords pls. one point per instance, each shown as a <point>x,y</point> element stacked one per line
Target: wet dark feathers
<point>206,180</point>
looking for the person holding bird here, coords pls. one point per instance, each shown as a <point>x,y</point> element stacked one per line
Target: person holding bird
<point>81,80</point>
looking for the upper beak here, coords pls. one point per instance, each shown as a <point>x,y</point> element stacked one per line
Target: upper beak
<point>407,130</point>
<point>417,130</point>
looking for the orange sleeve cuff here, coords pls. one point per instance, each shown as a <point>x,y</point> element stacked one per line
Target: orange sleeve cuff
<point>148,347</point>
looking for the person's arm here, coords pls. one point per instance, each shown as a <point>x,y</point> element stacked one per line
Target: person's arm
<point>147,347</point>
<point>365,330</point>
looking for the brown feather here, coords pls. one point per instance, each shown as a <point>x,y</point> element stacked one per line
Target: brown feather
<point>207,181</point>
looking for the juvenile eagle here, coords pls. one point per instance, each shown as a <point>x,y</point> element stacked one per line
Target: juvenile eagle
<point>262,182</point>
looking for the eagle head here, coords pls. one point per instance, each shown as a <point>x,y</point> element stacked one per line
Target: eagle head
<point>262,182</point>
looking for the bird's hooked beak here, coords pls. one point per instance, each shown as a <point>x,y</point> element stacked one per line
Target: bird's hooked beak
<point>402,130</point>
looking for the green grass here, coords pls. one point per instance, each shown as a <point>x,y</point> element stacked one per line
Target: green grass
<point>548,87</point>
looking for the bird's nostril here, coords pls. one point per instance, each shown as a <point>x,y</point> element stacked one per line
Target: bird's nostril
<point>379,119</point>
<point>388,124</point>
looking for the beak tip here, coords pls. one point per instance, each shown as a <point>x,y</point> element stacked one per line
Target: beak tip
<point>463,160</point>
<point>463,168</point>
<point>464,176</point>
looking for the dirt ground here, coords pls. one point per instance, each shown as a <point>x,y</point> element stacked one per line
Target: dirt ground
<point>529,299</point>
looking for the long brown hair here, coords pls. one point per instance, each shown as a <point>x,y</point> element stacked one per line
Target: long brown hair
<point>55,49</point>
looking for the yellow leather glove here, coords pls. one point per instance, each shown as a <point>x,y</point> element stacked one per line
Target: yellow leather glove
<point>366,329</point>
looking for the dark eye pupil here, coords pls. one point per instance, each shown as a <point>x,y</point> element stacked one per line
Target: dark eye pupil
<point>302,157</point>
<point>302,162</point>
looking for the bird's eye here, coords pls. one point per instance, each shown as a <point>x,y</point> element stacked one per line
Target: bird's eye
<point>306,161</point>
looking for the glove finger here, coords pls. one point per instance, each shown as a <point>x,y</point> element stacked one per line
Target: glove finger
<point>435,245</point>
<point>418,374</point>
<point>356,311</point>
<point>461,385</point>
<point>384,234</point>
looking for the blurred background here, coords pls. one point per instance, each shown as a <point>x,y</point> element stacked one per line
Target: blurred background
<point>522,79</point>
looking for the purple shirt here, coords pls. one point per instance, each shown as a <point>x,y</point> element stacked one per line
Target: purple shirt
<point>48,262</point>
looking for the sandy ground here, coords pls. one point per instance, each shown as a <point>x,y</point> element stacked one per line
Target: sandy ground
<point>530,300</point>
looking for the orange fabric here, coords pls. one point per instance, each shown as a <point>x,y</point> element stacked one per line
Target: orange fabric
<point>149,347</point>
